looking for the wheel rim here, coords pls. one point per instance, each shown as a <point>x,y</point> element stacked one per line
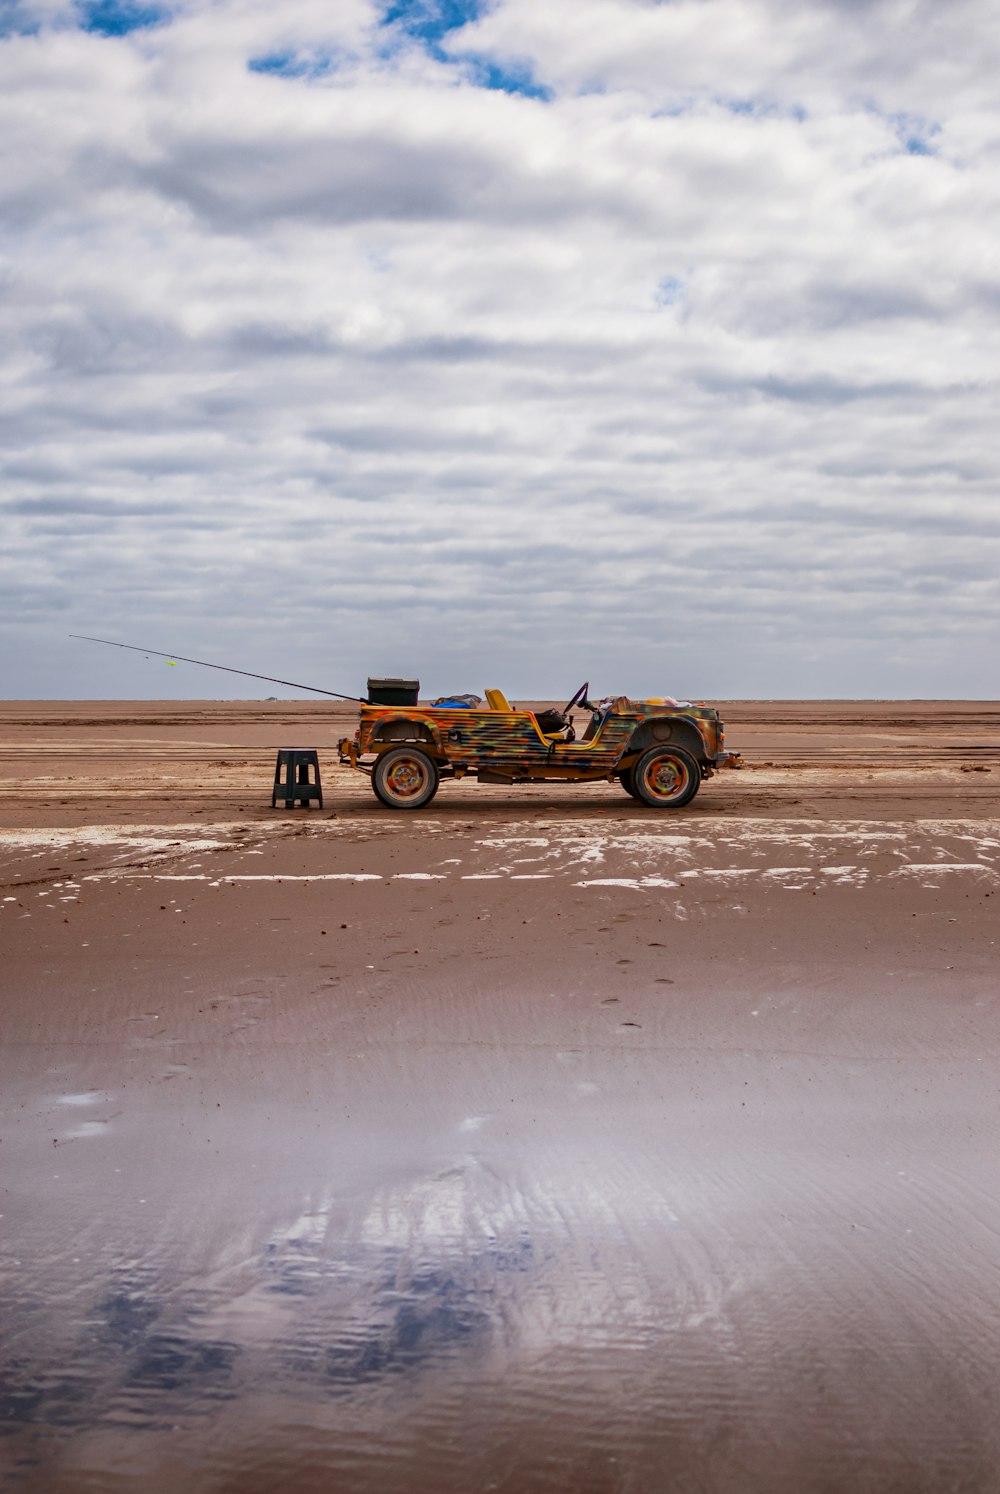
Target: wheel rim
<point>406,778</point>
<point>666,778</point>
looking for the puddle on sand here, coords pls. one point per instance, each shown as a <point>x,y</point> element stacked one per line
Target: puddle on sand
<point>509,1272</point>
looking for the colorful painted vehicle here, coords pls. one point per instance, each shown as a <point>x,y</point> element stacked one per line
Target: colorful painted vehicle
<point>660,751</point>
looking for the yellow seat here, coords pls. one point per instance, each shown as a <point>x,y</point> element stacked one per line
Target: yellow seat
<point>497,701</point>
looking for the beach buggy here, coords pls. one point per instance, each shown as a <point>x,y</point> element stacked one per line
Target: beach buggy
<point>659,750</point>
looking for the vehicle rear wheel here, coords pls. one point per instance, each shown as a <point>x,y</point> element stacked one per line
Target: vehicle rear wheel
<point>666,777</point>
<point>627,781</point>
<point>405,778</point>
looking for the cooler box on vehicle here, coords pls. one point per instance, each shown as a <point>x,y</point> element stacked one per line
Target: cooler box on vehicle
<point>393,692</point>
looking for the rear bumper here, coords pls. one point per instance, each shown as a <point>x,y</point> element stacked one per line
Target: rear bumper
<point>727,760</point>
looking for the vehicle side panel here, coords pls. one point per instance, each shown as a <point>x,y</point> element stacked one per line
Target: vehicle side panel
<point>511,741</point>
<point>464,736</point>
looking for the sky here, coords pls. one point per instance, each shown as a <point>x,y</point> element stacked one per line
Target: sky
<point>498,342</point>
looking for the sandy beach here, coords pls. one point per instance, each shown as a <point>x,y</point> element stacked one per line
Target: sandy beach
<point>536,1142</point>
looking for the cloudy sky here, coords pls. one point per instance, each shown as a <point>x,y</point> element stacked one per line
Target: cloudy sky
<point>510,342</point>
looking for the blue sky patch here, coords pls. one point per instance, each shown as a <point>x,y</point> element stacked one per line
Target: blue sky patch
<point>764,109</point>
<point>119,17</point>
<point>16,22</point>
<point>430,20</point>
<point>289,64</point>
<point>669,291</point>
<point>915,134</point>
<point>509,77</point>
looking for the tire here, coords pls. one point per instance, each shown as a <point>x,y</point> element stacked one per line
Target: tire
<point>627,781</point>
<point>666,777</point>
<point>405,778</point>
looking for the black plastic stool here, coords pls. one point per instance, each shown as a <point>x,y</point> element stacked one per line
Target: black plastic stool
<point>297,787</point>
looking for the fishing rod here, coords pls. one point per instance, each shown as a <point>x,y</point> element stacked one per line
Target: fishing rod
<point>292,684</point>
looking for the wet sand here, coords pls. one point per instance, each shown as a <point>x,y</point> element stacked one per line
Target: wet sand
<point>535,1142</point>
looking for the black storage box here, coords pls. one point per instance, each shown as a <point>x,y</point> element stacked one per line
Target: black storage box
<point>393,692</point>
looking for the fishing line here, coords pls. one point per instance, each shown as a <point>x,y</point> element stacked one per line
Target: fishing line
<point>204,663</point>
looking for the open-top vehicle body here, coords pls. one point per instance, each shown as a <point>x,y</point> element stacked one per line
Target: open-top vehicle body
<point>659,750</point>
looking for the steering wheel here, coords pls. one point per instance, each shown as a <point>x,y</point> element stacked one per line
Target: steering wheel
<point>579,699</point>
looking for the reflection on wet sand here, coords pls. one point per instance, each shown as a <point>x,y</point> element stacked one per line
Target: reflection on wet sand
<point>680,1296</point>
<point>625,1187</point>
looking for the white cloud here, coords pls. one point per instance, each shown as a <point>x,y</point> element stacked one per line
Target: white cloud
<point>682,377</point>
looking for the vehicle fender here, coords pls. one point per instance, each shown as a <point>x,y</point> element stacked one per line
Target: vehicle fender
<point>406,729</point>
<point>678,731</point>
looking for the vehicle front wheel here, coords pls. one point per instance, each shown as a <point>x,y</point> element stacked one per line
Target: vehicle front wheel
<point>666,777</point>
<point>405,778</point>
